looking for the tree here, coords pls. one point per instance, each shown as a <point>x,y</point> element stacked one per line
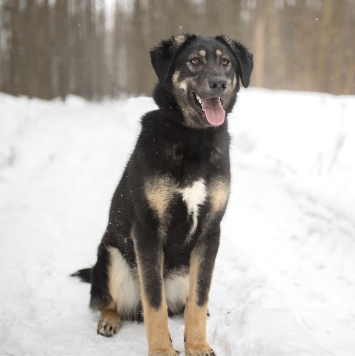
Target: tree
<point>51,48</point>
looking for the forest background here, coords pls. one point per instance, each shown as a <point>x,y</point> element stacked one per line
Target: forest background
<point>98,49</point>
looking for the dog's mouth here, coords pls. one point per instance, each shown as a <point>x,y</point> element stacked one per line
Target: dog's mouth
<point>211,108</point>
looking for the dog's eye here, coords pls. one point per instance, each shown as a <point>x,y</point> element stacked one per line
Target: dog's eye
<point>225,61</point>
<point>195,61</point>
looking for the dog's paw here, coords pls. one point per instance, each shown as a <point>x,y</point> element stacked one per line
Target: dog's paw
<point>107,327</point>
<point>109,323</point>
<point>198,350</point>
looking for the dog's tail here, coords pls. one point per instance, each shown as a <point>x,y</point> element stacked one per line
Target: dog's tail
<point>84,274</point>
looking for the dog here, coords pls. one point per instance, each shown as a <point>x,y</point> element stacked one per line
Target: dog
<point>157,254</point>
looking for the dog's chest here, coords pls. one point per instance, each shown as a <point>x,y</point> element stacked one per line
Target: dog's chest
<point>193,196</point>
<point>180,208</point>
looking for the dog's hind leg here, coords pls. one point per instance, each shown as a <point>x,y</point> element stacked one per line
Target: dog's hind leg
<point>114,290</point>
<point>109,322</point>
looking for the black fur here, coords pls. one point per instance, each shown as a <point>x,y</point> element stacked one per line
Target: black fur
<point>149,220</point>
<point>84,274</point>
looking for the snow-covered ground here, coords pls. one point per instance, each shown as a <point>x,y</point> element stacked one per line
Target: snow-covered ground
<point>284,283</point>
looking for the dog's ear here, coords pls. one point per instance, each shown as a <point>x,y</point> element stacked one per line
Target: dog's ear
<point>243,56</point>
<point>163,54</point>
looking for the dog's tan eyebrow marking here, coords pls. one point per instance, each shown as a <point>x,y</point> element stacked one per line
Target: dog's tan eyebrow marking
<point>218,52</point>
<point>202,53</point>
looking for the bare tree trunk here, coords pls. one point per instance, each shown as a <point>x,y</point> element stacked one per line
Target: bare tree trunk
<point>119,52</point>
<point>100,55</point>
<point>45,53</point>
<point>259,47</point>
<point>14,84</point>
<point>275,63</point>
<point>326,17</point>
<point>1,56</point>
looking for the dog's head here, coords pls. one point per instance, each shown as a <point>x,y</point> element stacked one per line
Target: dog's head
<point>201,76</point>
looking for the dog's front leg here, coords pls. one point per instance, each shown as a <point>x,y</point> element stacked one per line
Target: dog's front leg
<point>150,260</point>
<point>201,268</point>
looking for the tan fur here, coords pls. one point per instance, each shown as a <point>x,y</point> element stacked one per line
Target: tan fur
<point>195,316</point>
<point>218,52</point>
<point>202,53</point>
<point>180,39</point>
<point>156,324</point>
<point>131,234</point>
<point>159,192</point>
<point>182,85</point>
<point>176,76</point>
<point>180,89</point>
<point>156,320</point>
<point>218,192</point>
<point>109,323</point>
<point>233,82</point>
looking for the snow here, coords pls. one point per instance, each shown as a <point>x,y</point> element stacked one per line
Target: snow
<point>284,282</point>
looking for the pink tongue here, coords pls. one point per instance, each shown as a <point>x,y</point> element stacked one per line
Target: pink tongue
<point>214,111</point>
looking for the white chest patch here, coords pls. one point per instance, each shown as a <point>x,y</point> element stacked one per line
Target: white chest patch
<point>194,196</point>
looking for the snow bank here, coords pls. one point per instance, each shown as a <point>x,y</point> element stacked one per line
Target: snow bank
<point>307,137</point>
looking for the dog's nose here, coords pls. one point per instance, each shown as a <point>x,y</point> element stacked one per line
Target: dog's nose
<point>218,84</point>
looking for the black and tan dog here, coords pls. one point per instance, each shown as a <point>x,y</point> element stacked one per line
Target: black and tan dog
<point>158,252</point>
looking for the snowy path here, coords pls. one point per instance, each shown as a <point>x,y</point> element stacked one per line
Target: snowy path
<point>284,282</point>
